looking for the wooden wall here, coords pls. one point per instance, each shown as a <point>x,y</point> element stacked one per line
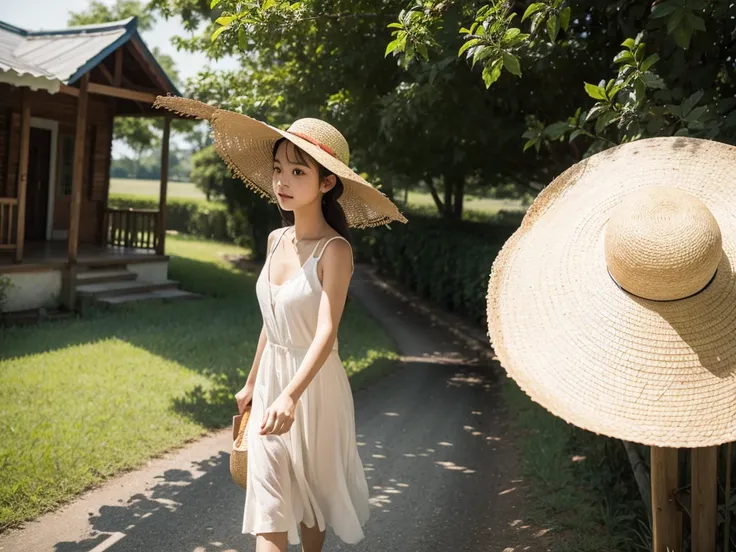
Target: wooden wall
<point>61,108</point>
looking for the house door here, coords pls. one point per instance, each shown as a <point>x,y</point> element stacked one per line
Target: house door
<point>37,195</point>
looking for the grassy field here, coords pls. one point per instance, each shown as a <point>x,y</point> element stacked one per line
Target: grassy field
<point>474,206</point>
<point>84,399</point>
<point>129,186</point>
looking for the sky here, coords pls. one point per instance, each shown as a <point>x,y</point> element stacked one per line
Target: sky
<point>35,15</point>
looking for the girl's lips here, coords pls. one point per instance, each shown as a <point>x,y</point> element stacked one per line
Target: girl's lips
<point>284,196</point>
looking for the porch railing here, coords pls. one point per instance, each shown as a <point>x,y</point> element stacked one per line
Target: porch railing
<point>138,228</point>
<point>8,222</point>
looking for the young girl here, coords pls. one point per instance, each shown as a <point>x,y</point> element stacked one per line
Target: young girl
<point>304,470</point>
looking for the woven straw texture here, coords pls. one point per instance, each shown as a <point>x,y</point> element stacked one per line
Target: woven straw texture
<point>246,146</point>
<point>657,372</point>
<point>239,453</point>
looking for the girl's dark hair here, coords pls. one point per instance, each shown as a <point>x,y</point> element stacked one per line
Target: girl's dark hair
<point>331,209</point>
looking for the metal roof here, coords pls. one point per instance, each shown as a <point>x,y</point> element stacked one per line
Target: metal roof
<point>46,59</point>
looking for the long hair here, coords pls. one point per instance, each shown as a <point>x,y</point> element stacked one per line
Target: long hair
<point>331,209</point>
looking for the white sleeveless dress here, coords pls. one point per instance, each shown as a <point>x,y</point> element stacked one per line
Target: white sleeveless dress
<point>313,473</point>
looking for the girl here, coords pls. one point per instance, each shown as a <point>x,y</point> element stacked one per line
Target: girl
<point>303,464</point>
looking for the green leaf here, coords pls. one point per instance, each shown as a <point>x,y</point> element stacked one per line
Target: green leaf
<point>511,64</point>
<point>395,26</point>
<point>574,134</point>
<point>242,39</point>
<point>628,43</point>
<point>268,4</point>
<point>213,4</point>
<point>675,20</point>
<point>649,62</point>
<point>557,130</point>
<point>468,44</point>
<point>682,132</point>
<point>697,113</point>
<point>511,34</point>
<point>682,36</point>
<point>595,92</point>
<point>553,27</point>
<point>225,20</point>
<point>532,9</point>
<point>422,49</point>
<point>697,23</point>
<point>218,32</point>
<point>663,9</point>
<point>390,47</point>
<point>691,102</point>
<point>537,18</point>
<point>491,73</point>
<point>604,120</point>
<point>565,18</point>
<point>675,110</point>
<point>641,90</point>
<point>624,57</point>
<point>530,143</point>
<point>652,80</point>
<point>595,111</point>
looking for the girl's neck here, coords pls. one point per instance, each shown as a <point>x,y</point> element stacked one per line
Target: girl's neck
<point>310,223</point>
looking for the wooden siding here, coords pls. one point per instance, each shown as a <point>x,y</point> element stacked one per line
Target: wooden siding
<point>63,109</point>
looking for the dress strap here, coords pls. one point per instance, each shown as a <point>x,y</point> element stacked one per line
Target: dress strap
<point>278,241</point>
<point>318,257</point>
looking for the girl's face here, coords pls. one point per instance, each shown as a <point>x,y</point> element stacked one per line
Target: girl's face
<point>296,179</point>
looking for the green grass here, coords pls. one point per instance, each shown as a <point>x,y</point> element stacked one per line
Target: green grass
<point>87,398</point>
<point>581,486</point>
<point>474,208</point>
<point>131,186</point>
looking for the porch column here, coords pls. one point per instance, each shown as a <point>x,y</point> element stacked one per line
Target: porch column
<point>78,171</point>
<point>25,139</point>
<point>69,292</point>
<point>164,183</point>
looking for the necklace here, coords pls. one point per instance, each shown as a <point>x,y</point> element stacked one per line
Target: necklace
<point>295,242</point>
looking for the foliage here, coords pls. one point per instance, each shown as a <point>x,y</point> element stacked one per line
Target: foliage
<point>5,285</point>
<point>100,12</point>
<point>690,42</point>
<point>446,262</point>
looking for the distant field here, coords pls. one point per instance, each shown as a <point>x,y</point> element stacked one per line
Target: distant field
<point>423,200</point>
<point>470,203</point>
<point>151,188</point>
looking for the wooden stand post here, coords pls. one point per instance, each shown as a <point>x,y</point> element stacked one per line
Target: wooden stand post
<point>25,139</point>
<point>76,199</point>
<point>666,517</point>
<point>704,499</point>
<point>161,246</point>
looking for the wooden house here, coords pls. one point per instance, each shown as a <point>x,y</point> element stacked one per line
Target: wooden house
<point>60,92</point>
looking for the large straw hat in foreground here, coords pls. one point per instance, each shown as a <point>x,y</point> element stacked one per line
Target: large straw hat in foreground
<point>246,146</point>
<point>614,303</point>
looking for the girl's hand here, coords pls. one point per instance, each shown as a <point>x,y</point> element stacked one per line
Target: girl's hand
<point>279,416</point>
<point>244,397</point>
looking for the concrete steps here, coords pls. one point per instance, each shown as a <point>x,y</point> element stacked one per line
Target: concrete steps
<point>115,285</point>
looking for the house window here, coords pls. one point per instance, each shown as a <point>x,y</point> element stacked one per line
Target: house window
<point>66,169</point>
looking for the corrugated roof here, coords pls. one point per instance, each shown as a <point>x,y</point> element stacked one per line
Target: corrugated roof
<point>62,56</point>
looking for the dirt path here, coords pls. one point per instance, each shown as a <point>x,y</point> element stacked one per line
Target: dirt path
<point>433,438</point>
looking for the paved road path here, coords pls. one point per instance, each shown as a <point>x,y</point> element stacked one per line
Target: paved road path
<point>433,439</point>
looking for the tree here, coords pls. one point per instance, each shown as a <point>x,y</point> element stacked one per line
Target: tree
<point>99,12</point>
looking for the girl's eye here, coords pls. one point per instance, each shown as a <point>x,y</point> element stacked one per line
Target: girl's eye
<point>298,172</point>
<point>277,170</point>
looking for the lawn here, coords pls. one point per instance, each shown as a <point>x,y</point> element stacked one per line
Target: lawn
<point>130,186</point>
<point>87,398</point>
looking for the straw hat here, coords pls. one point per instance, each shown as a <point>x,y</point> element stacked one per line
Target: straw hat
<point>614,304</point>
<point>246,146</point>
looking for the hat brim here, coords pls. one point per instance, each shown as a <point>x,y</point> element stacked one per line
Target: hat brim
<point>246,146</point>
<point>651,372</point>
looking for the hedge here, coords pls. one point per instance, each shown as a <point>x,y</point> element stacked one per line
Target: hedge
<point>448,263</point>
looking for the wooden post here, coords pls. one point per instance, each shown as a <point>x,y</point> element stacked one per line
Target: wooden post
<point>666,516</point>
<point>704,498</point>
<point>78,170</point>
<point>69,282</point>
<point>164,183</point>
<point>118,75</point>
<point>25,140</point>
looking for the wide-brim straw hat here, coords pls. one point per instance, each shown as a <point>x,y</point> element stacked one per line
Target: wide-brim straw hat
<point>614,304</point>
<point>246,146</point>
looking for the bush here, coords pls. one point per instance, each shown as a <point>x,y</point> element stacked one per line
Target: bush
<point>446,262</point>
